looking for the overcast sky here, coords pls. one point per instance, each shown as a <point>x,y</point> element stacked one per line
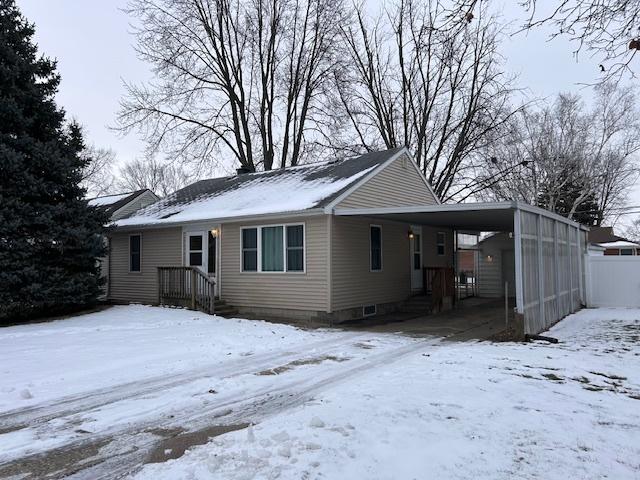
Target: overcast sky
<point>95,53</point>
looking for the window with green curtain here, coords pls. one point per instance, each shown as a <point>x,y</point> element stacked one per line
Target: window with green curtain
<point>272,249</point>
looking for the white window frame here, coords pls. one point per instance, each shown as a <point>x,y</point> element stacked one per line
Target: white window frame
<point>137,272</point>
<point>632,250</point>
<point>284,248</point>
<point>444,244</point>
<point>203,256</point>
<point>371,250</point>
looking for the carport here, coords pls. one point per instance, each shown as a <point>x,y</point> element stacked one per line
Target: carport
<point>548,251</point>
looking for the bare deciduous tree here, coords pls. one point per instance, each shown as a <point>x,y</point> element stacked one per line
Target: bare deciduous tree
<point>243,79</point>
<point>415,80</point>
<point>578,162</point>
<point>97,177</point>
<point>606,29</point>
<point>632,232</point>
<point>161,178</point>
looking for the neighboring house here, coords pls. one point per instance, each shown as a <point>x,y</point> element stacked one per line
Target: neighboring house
<point>119,206</point>
<point>496,266</point>
<point>324,242</point>
<point>612,244</point>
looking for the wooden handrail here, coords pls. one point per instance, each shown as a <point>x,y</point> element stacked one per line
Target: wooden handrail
<point>186,286</point>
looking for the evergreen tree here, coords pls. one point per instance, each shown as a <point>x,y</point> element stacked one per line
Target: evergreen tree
<point>49,236</point>
<point>587,211</point>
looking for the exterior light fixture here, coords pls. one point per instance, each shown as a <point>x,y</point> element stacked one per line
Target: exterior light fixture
<point>410,233</point>
<point>214,232</point>
<point>489,258</point>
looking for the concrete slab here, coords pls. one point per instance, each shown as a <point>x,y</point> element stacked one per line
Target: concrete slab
<point>471,319</point>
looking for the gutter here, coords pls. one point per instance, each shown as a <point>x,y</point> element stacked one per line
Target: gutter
<point>244,218</point>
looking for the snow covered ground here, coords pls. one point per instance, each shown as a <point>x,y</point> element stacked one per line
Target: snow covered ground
<point>101,394</point>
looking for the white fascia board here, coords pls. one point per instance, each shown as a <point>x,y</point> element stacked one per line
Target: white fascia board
<point>546,213</point>
<point>446,207</point>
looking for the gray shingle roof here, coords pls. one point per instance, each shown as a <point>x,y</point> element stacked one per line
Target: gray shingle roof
<point>113,203</point>
<point>276,191</point>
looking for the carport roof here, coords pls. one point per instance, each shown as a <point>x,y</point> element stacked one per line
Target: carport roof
<point>473,217</point>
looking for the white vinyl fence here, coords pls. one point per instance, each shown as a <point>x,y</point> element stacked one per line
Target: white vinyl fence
<point>613,281</point>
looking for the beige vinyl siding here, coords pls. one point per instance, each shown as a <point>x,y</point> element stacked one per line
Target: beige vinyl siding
<point>353,284</point>
<point>398,184</point>
<point>301,291</point>
<point>490,272</point>
<point>141,201</point>
<point>160,247</point>
<point>430,257</point>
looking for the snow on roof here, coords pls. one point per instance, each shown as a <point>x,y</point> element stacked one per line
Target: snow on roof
<point>619,244</point>
<point>275,191</point>
<point>107,199</point>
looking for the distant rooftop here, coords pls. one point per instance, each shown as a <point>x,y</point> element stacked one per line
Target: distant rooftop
<point>291,189</point>
<point>112,203</point>
<point>603,234</point>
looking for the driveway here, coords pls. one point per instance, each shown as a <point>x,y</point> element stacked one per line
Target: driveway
<point>115,427</point>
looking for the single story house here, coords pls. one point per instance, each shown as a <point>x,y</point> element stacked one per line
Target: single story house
<point>605,238</point>
<point>330,242</point>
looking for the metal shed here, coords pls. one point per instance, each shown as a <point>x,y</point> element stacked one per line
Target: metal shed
<point>549,251</point>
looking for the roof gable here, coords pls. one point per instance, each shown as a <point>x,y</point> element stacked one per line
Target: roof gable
<point>398,183</point>
<point>292,189</point>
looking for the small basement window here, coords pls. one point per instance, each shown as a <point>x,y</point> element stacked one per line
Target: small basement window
<point>369,310</point>
<point>135,253</point>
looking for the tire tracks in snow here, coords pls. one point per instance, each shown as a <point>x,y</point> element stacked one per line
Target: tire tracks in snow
<point>81,402</point>
<point>122,450</point>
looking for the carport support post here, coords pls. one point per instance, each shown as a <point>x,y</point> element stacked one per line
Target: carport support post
<point>580,262</point>
<point>517,244</point>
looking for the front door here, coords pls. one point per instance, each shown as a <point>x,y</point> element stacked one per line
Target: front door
<point>416,258</point>
<point>201,252</point>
